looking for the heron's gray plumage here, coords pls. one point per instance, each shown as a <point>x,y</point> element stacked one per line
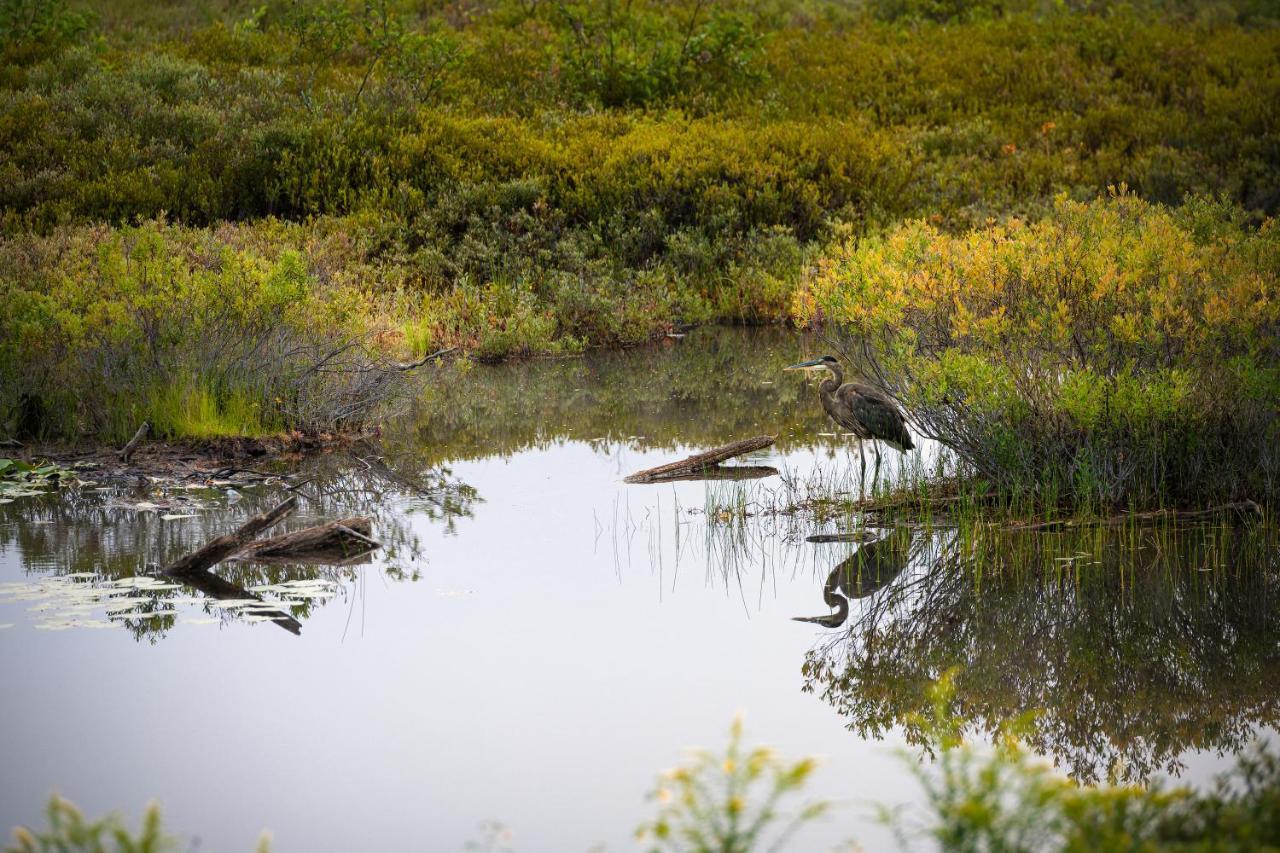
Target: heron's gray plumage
<point>863,409</point>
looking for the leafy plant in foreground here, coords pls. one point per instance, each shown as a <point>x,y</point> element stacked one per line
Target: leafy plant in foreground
<point>729,803</point>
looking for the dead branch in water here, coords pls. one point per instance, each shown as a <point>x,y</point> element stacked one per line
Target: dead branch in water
<point>700,462</point>
<point>133,442</point>
<point>225,546</point>
<point>341,540</point>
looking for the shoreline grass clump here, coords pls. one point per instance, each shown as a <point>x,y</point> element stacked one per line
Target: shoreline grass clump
<point>1117,354</point>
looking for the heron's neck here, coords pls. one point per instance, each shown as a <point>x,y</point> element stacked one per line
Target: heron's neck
<point>833,381</point>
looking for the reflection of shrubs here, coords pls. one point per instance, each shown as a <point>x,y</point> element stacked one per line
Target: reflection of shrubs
<point>1116,353</point>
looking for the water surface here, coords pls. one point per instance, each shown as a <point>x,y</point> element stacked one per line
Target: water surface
<point>539,639</point>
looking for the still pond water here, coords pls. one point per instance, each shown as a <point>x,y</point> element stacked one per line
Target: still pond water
<point>539,639</point>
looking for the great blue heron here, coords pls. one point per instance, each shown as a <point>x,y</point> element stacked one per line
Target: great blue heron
<point>869,570</point>
<point>863,409</point>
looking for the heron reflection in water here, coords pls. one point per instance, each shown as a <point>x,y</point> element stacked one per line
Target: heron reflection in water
<point>863,409</point>
<point>870,569</point>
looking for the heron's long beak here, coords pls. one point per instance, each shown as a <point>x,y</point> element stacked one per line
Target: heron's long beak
<point>805,365</point>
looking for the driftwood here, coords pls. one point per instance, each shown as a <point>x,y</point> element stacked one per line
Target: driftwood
<point>700,463</point>
<point>337,540</point>
<point>219,549</point>
<point>133,442</point>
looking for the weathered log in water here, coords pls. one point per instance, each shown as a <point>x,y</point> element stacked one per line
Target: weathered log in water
<point>229,544</point>
<point>337,541</point>
<point>701,463</point>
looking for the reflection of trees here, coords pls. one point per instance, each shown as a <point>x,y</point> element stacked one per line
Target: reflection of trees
<point>100,533</point>
<point>1133,645</point>
<point>698,391</point>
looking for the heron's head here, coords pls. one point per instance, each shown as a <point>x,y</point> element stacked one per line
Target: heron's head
<point>826,362</point>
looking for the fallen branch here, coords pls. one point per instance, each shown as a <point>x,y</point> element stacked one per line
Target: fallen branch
<point>340,539</point>
<point>700,462</point>
<point>410,365</point>
<point>133,442</point>
<point>225,546</point>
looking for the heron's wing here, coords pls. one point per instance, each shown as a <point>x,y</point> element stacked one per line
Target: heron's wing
<point>876,415</point>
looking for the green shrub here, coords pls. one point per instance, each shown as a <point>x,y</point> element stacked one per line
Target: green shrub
<point>1116,353</point>
<point>110,327</point>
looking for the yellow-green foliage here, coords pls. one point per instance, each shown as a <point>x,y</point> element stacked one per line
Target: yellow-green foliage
<point>1127,350</point>
<point>109,327</point>
<point>1006,798</point>
<point>542,177</point>
<point>69,830</point>
<point>729,803</point>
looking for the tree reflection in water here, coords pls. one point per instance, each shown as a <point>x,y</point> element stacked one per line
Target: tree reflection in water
<point>1131,646</point>
<point>102,538</point>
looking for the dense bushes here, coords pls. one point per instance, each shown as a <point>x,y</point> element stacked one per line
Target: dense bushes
<point>541,177</point>
<point>107,327</point>
<point>1114,353</point>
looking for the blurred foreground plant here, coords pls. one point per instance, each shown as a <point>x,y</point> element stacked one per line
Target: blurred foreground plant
<point>729,803</point>
<point>1006,798</point>
<point>69,830</point>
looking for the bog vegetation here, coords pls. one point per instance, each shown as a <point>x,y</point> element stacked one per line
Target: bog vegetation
<point>229,217</point>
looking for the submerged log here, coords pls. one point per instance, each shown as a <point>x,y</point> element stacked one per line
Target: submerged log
<point>133,442</point>
<point>700,462</point>
<point>338,540</point>
<point>229,544</point>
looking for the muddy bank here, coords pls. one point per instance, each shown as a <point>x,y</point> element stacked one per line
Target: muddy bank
<point>242,459</point>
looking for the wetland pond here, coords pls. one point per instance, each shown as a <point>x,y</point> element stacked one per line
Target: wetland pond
<point>538,639</point>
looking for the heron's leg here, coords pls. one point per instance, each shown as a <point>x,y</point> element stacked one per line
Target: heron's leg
<point>862,476</point>
<point>875,478</point>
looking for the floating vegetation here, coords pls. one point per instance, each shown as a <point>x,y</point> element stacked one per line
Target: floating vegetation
<point>88,600</point>
<point>20,479</point>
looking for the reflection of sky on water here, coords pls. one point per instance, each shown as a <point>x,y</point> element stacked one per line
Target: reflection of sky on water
<point>567,636</point>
